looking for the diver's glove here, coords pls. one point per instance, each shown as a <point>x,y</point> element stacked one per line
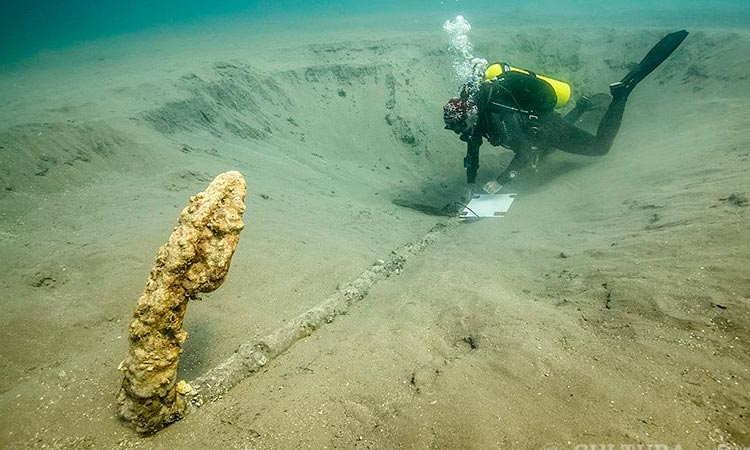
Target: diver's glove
<point>492,187</point>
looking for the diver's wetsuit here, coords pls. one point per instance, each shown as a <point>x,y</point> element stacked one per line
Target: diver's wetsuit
<point>517,112</point>
<point>530,133</point>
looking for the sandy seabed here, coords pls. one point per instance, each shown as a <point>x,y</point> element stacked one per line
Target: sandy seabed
<point>611,306</point>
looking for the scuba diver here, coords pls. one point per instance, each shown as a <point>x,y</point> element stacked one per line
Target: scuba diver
<point>514,108</point>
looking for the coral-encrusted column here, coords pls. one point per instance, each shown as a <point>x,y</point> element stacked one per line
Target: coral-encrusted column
<point>195,259</point>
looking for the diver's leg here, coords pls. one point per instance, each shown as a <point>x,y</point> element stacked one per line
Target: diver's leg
<point>610,124</point>
<point>564,136</point>
<point>556,132</point>
<point>561,134</point>
<point>582,105</point>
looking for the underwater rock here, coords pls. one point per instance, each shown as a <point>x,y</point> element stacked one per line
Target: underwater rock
<point>195,259</point>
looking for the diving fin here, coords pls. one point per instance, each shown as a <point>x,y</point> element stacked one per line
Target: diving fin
<point>657,55</point>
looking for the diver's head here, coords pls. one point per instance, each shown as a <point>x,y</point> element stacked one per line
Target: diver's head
<point>460,115</point>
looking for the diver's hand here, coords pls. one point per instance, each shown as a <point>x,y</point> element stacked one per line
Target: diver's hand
<point>492,187</point>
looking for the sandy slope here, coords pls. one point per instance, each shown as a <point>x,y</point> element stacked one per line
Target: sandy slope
<point>611,306</point>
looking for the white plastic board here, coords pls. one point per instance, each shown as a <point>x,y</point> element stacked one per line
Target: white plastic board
<point>495,205</point>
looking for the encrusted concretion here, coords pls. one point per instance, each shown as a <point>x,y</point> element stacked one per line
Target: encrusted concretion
<point>195,259</point>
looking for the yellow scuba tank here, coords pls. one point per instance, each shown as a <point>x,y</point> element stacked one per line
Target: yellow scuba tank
<point>562,89</point>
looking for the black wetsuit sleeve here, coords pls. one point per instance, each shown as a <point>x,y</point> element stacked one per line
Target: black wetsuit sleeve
<point>518,162</point>
<point>471,160</point>
<point>517,140</point>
